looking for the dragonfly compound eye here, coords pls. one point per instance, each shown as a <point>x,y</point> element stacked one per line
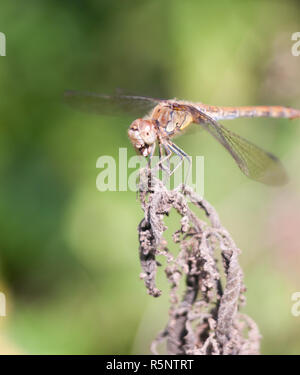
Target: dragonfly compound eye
<point>142,134</point>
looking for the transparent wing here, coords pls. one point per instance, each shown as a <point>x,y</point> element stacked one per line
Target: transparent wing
<point>113,105</point>
<point>253,161</point>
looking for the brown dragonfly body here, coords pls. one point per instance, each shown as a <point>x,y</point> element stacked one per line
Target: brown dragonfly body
<point>230,113</point>
<point>168,118</point>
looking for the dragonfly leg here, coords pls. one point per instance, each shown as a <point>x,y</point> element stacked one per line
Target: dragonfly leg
<point>178,151</point>
<point>168,167</point>
<point>151,155</point>
<point>169,148</point>
<point>168,153</point>
<point>163,159</point>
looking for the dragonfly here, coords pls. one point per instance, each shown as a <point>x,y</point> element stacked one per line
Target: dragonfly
<point>158,121</point>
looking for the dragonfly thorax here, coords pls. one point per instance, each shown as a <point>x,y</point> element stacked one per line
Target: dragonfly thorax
<point>142,134</point>
<point>171,119</point>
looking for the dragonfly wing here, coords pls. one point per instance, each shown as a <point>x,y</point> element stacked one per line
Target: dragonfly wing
<point>112,105</point>
<point>253,161</point>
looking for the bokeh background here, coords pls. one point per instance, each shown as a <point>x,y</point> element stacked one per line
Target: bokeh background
<point>68,253</point>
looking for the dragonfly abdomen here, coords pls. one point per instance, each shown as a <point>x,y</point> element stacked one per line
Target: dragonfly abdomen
<point>229,113</point>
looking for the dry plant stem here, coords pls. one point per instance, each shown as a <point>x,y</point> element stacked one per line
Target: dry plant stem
<point>207,319</point>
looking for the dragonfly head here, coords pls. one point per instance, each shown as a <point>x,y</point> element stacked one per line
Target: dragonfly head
<point>142,134</point>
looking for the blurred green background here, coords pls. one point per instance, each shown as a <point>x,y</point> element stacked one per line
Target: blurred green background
<point>68,253</point>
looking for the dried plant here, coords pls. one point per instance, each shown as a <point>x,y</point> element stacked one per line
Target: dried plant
<point>207,319</point>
